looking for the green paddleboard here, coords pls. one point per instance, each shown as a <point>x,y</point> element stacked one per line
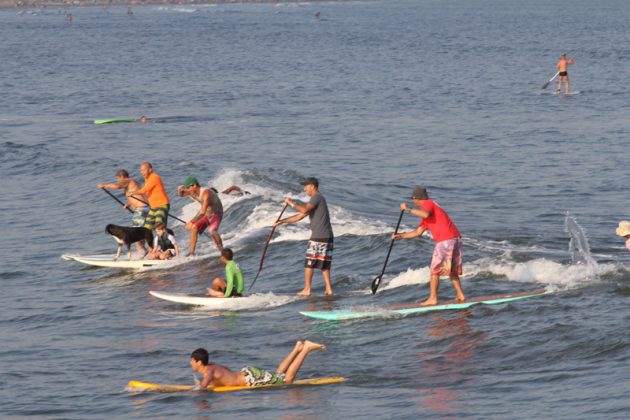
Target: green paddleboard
<point>115,120</point>
<point>398,310</point>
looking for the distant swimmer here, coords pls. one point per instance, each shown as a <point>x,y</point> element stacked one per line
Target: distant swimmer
<point>232,285</point>
<point>319,251</point>
<point>215,375</point>
<point>129,12</point>
<point>563,62</point>
<point>317,15</point>
<point>624,230</point>
<point>236,190</point>
<point>164,244</point>
<point>447,255</point>
<point>209,216</point>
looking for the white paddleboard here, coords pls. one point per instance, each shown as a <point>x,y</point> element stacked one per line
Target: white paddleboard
<point>110,262</point>
<point>257,301</point>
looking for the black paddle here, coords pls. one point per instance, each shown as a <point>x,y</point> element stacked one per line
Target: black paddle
<point>262,258</point>
<point>377,280</point>
<point>550,80</point>
<point>116,198</point>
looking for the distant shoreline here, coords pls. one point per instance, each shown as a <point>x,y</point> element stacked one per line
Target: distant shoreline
<point>104,3</point>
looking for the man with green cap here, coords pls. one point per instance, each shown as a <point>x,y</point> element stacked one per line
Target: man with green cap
<point>209,216</point>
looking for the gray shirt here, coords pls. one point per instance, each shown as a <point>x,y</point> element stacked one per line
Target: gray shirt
<point>321,230</point>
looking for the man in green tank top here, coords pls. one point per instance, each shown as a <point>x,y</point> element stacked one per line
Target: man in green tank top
<point>232,286</point>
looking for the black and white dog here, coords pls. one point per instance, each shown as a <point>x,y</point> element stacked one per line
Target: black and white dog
<point>129,235</point>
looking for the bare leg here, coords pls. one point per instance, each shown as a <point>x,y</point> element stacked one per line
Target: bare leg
<point>217,240</point>
<point>559,84</point>
<point>457,285</point>
<point>218,288</point>
<point>296,364</point>
<point>433,288</point>
<point>193,240</point>
<point>308,279</point>
<point>284,364</point>
<point>567,85</point>
<point>329,290</point>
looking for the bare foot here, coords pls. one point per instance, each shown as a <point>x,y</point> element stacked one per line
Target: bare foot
<point>304,293</point>
<point>429,302</point>
<point>461,298</point>
<point>309,345</point>
<point>328,293</point>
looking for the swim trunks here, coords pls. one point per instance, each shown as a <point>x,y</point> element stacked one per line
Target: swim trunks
<point>156,215</point>
<point>212,222</point>
<point>319,254</point>
<point>139,215</point>
<point>258,377</point>
<point>563,73</point>
<point>447,258</point>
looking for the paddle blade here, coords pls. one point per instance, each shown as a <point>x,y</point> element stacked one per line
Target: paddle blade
<point>375,283</point>
<point>545,85</point>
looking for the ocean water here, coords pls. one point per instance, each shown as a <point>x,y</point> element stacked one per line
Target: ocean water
<point>372,98</point>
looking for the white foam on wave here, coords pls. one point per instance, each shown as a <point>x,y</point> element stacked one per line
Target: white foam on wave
<point>554,275</point>
<point>176,9</point>
<point>256,302</point>
<point>266,212</point>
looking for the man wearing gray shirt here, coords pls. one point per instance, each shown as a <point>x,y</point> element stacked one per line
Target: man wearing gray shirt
<point>320,245</point>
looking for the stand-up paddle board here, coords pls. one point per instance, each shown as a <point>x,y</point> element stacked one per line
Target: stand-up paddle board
<point>398,310</point>
<point>136,386</point>
<point>115,120</point>
<point>577,92</point>
<point>257,301</point>
<point>110,262</point>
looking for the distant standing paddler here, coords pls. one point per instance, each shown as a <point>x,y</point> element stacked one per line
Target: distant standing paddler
<point>563,62</point>
<point>320,245</point>
<point>447,255</point>
<point>156,195</point>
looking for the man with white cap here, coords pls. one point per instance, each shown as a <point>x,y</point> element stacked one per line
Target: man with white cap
<point>447,255</point>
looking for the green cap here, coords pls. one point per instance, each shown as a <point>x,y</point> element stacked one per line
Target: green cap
<point>190,181</point>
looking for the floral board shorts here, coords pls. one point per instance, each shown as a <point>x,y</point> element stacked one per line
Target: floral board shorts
<point>447,258</point>
<point>259,377</point>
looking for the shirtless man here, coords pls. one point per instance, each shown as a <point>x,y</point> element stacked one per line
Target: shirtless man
<point>130,186</point>
<point>563,62</point>
<point>216,375</point>
<point>209,216</point>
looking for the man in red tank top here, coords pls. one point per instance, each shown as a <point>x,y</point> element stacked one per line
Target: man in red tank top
<point>447,255</point>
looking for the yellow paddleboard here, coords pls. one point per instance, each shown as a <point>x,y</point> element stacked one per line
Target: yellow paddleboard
<point>137,386</point>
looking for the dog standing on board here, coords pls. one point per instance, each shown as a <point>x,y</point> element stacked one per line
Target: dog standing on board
<point>125,235</point>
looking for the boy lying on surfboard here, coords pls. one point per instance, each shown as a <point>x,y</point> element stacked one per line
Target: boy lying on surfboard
<point>215,375</point>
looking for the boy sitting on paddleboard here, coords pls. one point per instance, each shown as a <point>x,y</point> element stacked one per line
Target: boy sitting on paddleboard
<point>164,244</point>
<point>232,286</point>
<point>216,375</point>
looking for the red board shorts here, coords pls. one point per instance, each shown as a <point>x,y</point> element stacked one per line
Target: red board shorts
<point>213,222</point>
<point>447,258</point>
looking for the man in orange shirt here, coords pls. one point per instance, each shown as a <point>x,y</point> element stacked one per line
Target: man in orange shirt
<point>156,194</point>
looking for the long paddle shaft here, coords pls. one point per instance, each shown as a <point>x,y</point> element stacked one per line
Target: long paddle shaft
<point>377,281</point>
<point>262,258</point>
<point>550,80</point>
<point>116,198</point>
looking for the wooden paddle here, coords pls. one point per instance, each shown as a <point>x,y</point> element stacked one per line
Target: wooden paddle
<point>262,258</point>
<point>377,281</point>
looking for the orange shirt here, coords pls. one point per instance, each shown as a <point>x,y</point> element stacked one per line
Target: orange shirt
<point>154,189</point>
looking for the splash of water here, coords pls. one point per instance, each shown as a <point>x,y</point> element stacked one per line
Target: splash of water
<point>579,248</point>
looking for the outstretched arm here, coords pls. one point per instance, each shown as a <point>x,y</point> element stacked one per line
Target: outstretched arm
<point>411,234</point>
